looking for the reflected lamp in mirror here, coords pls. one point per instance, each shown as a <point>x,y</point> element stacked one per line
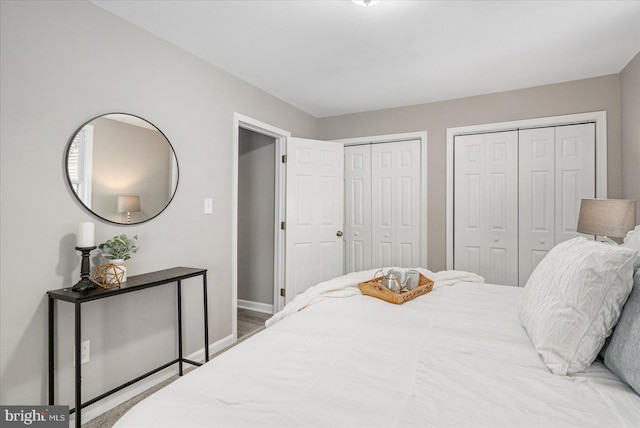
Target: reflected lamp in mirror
<point>128,204</point>
<point>606,217</point>
<point>121,154</point>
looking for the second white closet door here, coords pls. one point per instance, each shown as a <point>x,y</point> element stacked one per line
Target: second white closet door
<point>395,204</point>
<point>537,198</point>
<point>486,206</point>
<point>557,170</point>
<point>357,207</point>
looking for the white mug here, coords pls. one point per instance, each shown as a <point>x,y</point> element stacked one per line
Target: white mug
<point>413,278</point>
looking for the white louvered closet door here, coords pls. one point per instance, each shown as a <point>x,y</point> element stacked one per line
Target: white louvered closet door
<point>357,177</point>
<point>395,204</point>
<point>486,206</point>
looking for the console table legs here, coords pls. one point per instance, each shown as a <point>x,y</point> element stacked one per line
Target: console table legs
<point>51,352</point>
<point>78,368</point>
<point>78,332</point>
<point>180,328</point>
<point>206,318</point>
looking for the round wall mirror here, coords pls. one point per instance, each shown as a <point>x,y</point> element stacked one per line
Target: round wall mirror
<point>122,168</point>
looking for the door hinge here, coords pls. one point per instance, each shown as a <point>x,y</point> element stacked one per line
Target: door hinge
<point>284,158</point>
<point>283,225</point>
<point>283,292</point>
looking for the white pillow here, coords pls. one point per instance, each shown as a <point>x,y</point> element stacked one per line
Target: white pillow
<point>573,299</point>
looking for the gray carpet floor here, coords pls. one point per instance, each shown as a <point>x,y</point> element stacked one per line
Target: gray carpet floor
<point>249,323</point>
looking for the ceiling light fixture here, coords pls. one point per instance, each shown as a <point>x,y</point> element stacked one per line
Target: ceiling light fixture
<point>365,2</point>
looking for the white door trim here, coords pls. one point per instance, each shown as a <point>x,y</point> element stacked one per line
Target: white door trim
<point>280,135</point>
<point>390,138</point>
<point>599,117</point>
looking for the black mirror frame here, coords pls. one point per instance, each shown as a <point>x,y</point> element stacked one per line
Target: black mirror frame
<point>66,170</point>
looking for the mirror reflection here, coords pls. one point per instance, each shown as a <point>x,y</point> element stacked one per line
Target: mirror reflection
<point>122,168</point>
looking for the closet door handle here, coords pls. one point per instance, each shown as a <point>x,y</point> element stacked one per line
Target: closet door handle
<point>339,234</point>
<point>542,240</point>
<point>496,239</point>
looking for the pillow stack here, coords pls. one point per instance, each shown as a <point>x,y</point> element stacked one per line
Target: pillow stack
<point>632,240</point>
<point>573,299</point>
<point>622,355</point>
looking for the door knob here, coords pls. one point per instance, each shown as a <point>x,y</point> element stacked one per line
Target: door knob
<point>496,239</point>
<point>386,235</point>
<point>339,233</point>
<point>355,233</point>
<point>542,240</point>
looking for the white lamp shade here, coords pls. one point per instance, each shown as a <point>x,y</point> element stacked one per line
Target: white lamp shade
<point>128,204</point>
<point>607,217</point>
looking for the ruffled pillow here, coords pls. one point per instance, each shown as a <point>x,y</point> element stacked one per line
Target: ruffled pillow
<point>573,299</point>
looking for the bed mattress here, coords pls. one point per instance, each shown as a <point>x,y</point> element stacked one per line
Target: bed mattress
<point>455,357</point>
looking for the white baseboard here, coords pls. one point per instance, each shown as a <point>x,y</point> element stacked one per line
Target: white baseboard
<point>255,306</point>
<point>120,397</point>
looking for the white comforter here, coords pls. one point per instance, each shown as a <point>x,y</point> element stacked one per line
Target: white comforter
<point>455,357</point>
<point>347,286</point>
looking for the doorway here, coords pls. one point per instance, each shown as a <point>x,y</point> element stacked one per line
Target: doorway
<point>256,219</point>
<point>258,208</point>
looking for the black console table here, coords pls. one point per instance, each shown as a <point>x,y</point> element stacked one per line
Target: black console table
<point>133,283</point>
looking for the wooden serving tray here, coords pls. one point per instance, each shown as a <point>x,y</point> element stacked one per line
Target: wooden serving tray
<point>375,289</point>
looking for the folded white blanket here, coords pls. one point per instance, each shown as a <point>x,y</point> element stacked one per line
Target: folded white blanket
<point>347,286</point>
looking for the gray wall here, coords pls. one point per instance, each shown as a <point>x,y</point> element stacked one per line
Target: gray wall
<point>256,205</point>
<point>602,93</point>
<point>630,93</point>
<point>62,63</point>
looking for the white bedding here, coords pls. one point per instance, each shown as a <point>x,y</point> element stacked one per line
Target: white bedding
<point>347,286</point>
<point>455,357</point>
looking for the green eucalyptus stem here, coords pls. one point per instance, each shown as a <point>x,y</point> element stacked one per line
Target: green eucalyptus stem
<point>119,247</point>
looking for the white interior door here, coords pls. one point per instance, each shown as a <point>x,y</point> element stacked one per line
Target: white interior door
<point>469,202</point>
<point>486,206</point>
<point>537,200</point>
<point>575,175</point>
<point>557,170</point>
<point>314,213</point>
<point>357,233</point>
<point>395,204</point>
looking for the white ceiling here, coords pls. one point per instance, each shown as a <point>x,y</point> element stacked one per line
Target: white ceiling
<point>335,57</point>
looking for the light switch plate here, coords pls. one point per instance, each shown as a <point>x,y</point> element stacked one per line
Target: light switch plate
<point>208,206</point>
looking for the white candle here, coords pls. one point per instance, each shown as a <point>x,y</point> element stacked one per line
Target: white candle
<point>85,234</point>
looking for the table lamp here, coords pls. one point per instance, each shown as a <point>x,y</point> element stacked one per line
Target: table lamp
<point>607,217</point>
<point>128,204</point>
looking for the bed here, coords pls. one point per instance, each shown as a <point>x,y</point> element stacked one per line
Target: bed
<point>455,357</point>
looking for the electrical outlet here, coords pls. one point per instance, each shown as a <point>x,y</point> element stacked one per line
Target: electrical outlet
<point>85,352</point>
